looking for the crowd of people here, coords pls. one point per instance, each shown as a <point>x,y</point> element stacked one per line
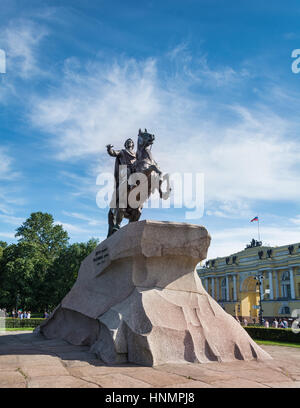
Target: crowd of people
<point>26,314</point>
<point>280,323</point>
<point>20,314</point>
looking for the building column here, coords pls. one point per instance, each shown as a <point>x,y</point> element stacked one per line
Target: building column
<point>276,284</point>
<point>292,283</point>
<point>213,287</point>
<point>234,288</point>
<point>227,288</point>
<point>261,288</point>
<point>206,284</point>
<point>218,288</point>
<point>271,285</point>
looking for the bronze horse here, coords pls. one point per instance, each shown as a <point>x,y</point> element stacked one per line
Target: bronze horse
<point>144,179</point>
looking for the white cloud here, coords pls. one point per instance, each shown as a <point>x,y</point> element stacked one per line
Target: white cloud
<point>7,164</point>
<point>231,240</point>
<point>7,235</point>
<point>230,209</point>
<point>20,40</point>
<point>296,220</point>
<point>89,220</point>
<point>246,154</point>
<point>9,188</point>
<point>106,104</point>
<point>10,219</point>
<point>72,228</point>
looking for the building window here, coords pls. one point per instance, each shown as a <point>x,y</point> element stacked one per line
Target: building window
<point>284,310</point>
<point>223,289</point>
<point>285,285</point>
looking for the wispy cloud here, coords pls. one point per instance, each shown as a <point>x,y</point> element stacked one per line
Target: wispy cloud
<point>230,209</point>
<point>296,220</point>
<point>232,240</point>
<point>10,219</point>
<point>72,228</point>
<point>21,40</point>
<point>7,171</point>
<point>245,153</point>
<point>11,198</point>
<point>89,220</point>
<point>8,235</point>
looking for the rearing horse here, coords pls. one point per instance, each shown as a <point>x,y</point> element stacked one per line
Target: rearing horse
<point>146,177</point>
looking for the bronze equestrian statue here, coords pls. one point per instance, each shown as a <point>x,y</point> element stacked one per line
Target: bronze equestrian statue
<point>129,166</point>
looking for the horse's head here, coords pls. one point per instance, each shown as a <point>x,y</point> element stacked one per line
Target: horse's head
<point>145,139</point>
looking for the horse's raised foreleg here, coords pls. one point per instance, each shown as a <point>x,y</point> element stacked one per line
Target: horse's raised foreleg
<point>110,222</point>
<point>164,195</point>
<point>115,217</point>
<point>135,215</point>
<point>119,218</point>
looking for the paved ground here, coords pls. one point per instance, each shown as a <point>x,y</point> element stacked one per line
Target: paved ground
<point>29,361</point>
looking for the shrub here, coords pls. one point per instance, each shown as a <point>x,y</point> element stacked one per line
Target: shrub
<point>272,334</point>
<point>16,323</point>
<point>37,315</point>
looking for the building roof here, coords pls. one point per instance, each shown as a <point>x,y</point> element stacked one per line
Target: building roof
<point>256,256</point>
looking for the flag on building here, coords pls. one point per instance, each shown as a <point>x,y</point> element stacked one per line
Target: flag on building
<point>254,219</point>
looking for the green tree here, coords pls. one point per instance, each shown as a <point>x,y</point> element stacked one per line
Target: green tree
<point>38,271</point>
<point>23,277</point>
<point>24,266</point>
<point>64,270</point>
<point>40,229</point>
<point>3,245</point>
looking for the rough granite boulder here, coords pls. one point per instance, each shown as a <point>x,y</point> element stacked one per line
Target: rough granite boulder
<point>139,299</point>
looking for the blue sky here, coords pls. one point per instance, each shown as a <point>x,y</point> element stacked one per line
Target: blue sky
<point>212,80</point>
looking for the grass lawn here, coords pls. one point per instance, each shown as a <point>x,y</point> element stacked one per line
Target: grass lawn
<point>276,343</point>
<point>17,329</point>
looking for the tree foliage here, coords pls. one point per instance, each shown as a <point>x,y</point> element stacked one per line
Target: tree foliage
<point>40,229</point>
<point>38,271</point>
<point>64,270</point>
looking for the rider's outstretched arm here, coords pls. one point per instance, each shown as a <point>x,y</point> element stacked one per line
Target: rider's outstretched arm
<point>112,152</point>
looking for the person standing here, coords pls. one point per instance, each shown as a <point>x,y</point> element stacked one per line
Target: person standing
<point>28,315</point>
<point>275,323</point>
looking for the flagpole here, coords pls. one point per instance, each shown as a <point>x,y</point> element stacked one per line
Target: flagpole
<point>258,229</point>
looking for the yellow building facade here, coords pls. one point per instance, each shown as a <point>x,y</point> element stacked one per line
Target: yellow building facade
<point>231,281</point>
